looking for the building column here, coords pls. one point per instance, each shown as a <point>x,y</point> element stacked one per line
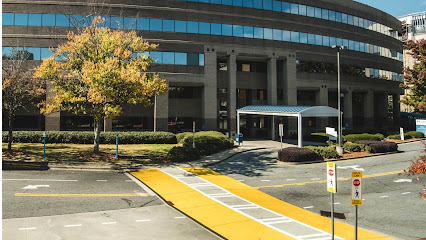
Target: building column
<point>369,110</point>
<point>107,125</point>
<point>272,81</point>
<point>381,111</point>
<point>52,120</point>
<point>290,93</point>
<point>347,111</point>
<point>210,110</point>
<point>322,100</point>
<point>232,95</point>
<point>162,112</point>
<point>396,109</point>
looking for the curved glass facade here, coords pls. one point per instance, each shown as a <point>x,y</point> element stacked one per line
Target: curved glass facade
<point>305,10</point>
<point>193,27</point>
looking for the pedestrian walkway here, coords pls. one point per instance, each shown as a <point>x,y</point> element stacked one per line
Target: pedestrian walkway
<point>237,211</point>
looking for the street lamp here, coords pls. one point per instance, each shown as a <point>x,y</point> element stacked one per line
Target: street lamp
<point>339,147</point>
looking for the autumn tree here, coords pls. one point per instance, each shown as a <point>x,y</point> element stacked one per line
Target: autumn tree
<point>415,77</point>
<point>19,89</point>
<point>101,69</point>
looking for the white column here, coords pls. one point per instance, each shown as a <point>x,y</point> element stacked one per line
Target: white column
<point>273,127</point>
<point>238,123</point>
<point>299,131</point>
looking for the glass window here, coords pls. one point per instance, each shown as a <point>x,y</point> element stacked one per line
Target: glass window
<point>215,1</point>
<point>168,25</point>
<point>318,13</point>
<point>257,4</point>
<point>248,32</point>
<point>366,23</point>
<point>201,59</point>
<point>332,15</point>
<point>35,51</point>
<point>356,46</point>
<point>227,2</point>
<point>311,38</point>
<point>258,33</point>
<point>248,3</point>
<point>157,56</point>
<point>142,24</point>
<point>362,47</point>
<point>277,34</point>
<point>180,59</point>
<point>47,20</point>
<point>7,19</point>
<point>237,3</point>
<point>346,43</point>
<point>75,20</point>
<point>216,29</point>
<point>324,14</point>
<point>338,17</point>
<point>286,7</point>
<point>45,53</point>
<point>294,8</point>
<point>21,19</point>
<point>277,6</point>
<point>267,33</point>
<point>318,39</point>
<point>339,42</point>
<point>286,36</point>
<point>226,30</point>
<point>34,19</point>
<point>344,18</point>
<point>295,37</point>
<point>6,51</point>
<point>117,23</point>
<point>106,23</point>
<point>326,41</point>
<point>129,23</point>
<point>237,31</point>
<point>302,10</point>
<point>350,19</point>
<point>168,58</point>
<point>267,4</point>
<point>303,38</point>
<point>356,21</point>
<point>361,22</point>
<point>192,27</point>
<point>310,11</point>
<point>204,1</point>
<point>180,26</point>
<point>156,25</point>
<point>204,28</point>
<point>333,41</point>
<point>193,59</point>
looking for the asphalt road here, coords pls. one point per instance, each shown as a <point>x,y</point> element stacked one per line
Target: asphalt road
<point>392,204</point>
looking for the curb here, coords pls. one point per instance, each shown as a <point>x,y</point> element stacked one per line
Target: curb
<point>24,165</point>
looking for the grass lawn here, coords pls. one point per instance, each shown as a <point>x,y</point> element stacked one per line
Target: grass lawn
<point>137,153</point>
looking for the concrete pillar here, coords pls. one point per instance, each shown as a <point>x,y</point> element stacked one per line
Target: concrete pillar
<point>369,110</point>
<point>162,112</point>
<point>322,100</point>
<point>381,110</point>
<point>347,111</point>
<point>52,120</point>
<point>210,110</point>
<point>107,124</point>
<point>290,92</point>
<point>396,110</point>
<point>272,81</point>
<point>232,95</point>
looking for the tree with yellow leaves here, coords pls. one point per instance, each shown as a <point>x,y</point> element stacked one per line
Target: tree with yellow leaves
<point>102,69</point>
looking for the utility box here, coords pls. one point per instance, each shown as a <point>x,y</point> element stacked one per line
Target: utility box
<point>239,138</point>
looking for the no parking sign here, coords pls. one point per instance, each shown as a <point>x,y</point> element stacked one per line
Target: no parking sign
<point>331,177</point>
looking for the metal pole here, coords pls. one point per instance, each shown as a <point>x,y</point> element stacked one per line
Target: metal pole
<point>356,222</point>
<point>332,216</point>
<point>281,142</point>
<point>155,113</point>
<point>338,98</point>
<point>116,148</point>
<point>193,134</point>
<point>44,147</point>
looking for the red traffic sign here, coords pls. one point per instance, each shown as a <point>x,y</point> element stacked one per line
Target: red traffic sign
<point>330,172</point>
<point>357,182</point>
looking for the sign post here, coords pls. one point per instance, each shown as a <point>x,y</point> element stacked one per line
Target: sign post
<point>401,132</point>
<point>44,144</point>
<point>356,189</point>
<point>116,148</point>
<point>193,134</point>
<point>281,128</point>
<point>332,188</point>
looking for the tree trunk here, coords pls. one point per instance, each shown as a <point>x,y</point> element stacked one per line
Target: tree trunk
<point>97,130</point>
<point>10,136</point>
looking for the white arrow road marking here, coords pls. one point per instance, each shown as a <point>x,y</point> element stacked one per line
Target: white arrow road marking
<point>30,228</point>
<point>73,225</point>
<point>34,186</point>
<point>405,193</point>
<point>354,167</point>
<point>403,180</point>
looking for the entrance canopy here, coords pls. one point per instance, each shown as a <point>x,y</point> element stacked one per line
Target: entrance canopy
<point>287,111</point>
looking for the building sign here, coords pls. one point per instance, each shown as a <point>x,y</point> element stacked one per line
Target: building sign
<point>421,125</point>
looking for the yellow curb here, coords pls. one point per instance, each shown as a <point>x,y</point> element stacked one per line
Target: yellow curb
<point>215,216</point>
<point>262,199</point>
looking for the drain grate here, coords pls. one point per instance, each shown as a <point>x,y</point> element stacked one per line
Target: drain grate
<point>336,214</point>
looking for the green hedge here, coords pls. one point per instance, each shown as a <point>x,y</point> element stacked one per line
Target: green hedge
<point>183,154</point>
<point>325,152</point>
<point>415,134</point>
<point>295,154</point>
<point>353,147</point>
<point>77,137</point>
<point>383,147</point>
<point>209,142</point>
<point>364,136</point>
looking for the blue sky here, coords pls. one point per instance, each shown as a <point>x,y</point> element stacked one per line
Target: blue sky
<point>397,7</point>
